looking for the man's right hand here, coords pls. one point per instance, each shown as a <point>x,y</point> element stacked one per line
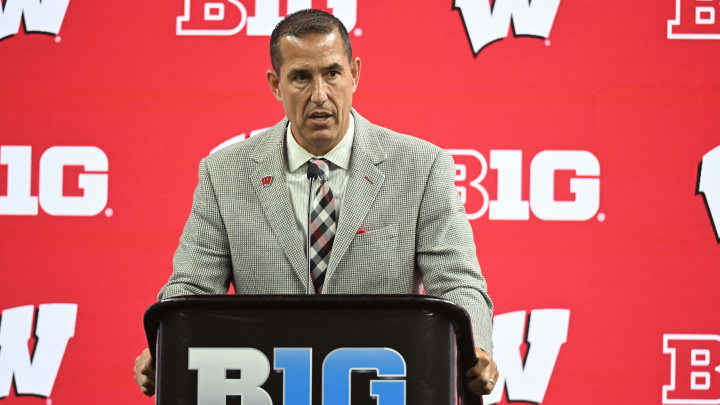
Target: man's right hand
<point>145,373</point>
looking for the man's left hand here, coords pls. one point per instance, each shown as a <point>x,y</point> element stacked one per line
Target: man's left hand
<point>482,377</point>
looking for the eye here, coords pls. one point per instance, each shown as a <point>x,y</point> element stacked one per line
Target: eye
<point>301,77</point>
<point>334,73</point>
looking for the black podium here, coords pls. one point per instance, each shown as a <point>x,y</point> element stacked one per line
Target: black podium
<point>303,350</point>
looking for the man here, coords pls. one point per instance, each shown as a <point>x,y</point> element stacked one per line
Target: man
<point>386,216</point>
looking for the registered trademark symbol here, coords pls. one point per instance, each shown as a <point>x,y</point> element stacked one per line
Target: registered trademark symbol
<point>109,212</point>
<point>547,42</point>
<point>57,39</point>
<point>358,32</point>
<point>601,217</point>
<point>48,401</point>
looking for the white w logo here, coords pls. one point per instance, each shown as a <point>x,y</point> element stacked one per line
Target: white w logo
<point>485,25</point>
<point>44,16</point>
<point>709,185</point>
<point>547,331</point>
<point>36,376</point>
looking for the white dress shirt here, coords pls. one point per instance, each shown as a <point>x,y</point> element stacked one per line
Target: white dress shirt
<point>298,182</point>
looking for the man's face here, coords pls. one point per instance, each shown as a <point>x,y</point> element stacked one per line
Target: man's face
<point>315,85</point>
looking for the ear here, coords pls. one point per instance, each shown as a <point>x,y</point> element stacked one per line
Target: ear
<point>355,72</point>
<point>274,82</point>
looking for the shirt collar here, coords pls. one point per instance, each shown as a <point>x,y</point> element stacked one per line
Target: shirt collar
<point>339,155</point>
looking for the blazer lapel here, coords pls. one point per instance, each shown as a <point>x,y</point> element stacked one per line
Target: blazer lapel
<point>275,198</point>
<point>364,183</point>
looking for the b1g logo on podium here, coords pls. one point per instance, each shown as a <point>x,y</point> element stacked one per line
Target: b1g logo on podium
<point>229,17</point>
<point>694,369</point>
<point>212,365</point>
<point>695,19</point>
<point>579,201</point>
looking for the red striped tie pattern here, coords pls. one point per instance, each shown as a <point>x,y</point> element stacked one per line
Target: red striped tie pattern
<point>323,223</point>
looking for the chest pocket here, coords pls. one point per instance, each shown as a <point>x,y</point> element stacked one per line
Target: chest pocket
<point>370,265</point>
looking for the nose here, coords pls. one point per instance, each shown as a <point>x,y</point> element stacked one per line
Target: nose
<point>319,92</point>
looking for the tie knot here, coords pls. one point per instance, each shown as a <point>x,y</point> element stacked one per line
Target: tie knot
<point>324,167</point>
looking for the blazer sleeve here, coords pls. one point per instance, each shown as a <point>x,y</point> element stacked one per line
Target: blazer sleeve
<point>445,250</point>
<point>202,263</point>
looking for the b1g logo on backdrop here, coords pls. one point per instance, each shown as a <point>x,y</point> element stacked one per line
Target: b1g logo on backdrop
<point>44,16</point>
<point>471,168</point>
<point>36,374</point>
<point>93,182</point>
<point>581,202</point>
<point>708,185</point>
<point>485,24</point>
<point>212,364</point>
<point>694,369</point>
<point>695,19</point>
<point>229,17</point>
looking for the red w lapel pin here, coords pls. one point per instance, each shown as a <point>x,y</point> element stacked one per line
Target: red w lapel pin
<point>266,181</point>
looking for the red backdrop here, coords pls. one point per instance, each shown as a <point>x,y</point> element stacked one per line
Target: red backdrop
<point>591,117</point>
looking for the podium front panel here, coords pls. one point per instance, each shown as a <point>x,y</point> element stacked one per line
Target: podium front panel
<point>424,341</point>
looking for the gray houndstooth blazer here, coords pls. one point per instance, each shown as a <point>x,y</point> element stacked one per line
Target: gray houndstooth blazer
<point>400,189</point>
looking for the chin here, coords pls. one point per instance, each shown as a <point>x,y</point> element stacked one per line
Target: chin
<point>323,135</point>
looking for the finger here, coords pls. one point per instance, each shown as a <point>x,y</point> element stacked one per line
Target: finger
<point>142,378</point>
<point>148,387</point>
<point>146,366</point>
<point>491,373</point>
<point>488,374</point>
<point>137,376</point>
<point>490,377</point>
<point>482,387</point>
<point>479,387</point>
<point>489,386</point>
<point>148,372</point>
<point>483,382</point>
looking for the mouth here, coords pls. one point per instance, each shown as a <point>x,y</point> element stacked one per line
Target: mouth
<point>320,118</point>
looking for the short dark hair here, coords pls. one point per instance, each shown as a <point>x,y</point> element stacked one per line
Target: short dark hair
<point>303,22</point>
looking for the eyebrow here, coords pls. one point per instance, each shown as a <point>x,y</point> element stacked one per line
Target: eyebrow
<point>294,72</point>
<point>334,66</point>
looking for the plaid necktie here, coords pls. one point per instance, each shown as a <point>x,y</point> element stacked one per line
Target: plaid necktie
<point>323,222</point>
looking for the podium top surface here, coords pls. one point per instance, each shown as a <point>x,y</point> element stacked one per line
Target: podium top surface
<point>331,302</point>
<point>440,307</point>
